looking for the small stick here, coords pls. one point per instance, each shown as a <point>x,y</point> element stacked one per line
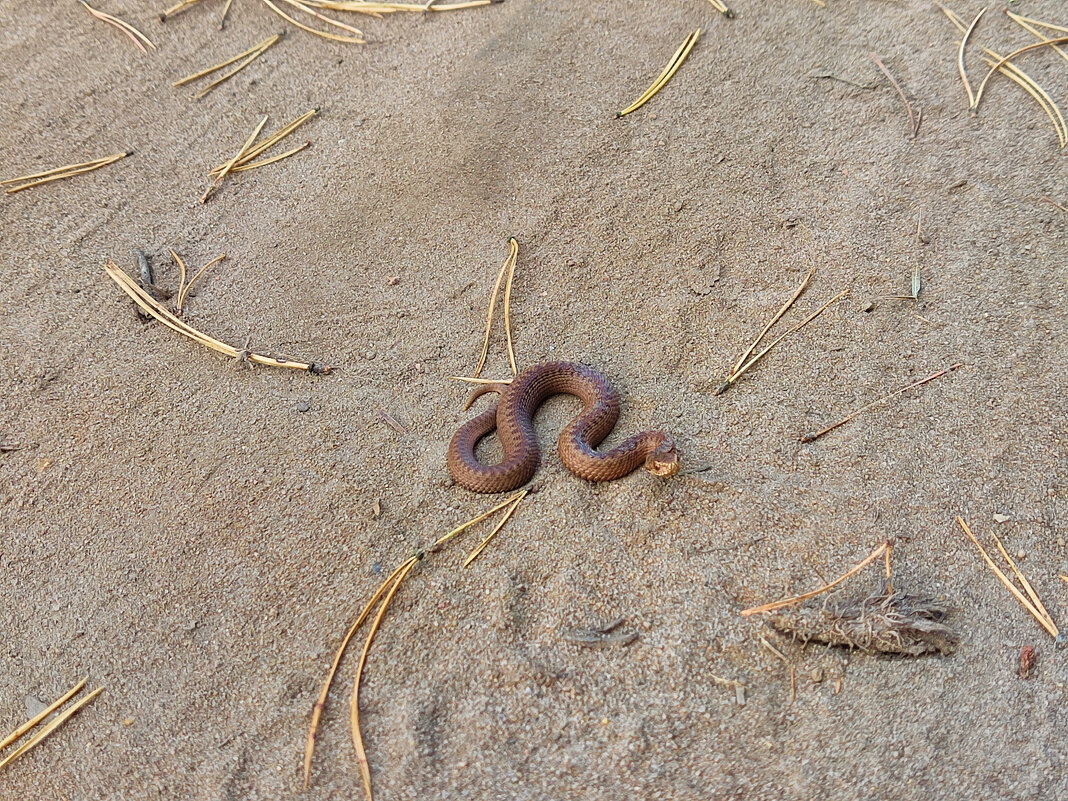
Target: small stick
<point>1001,63</point>
<point>51,727</point>
<point>230,165</point>
<point>354,704</point>
<point>914,125</point>
<point>267,143</point>
<point>732,379</point>
<point>785,307</point>
<point>665,75</point>
<point>960,58</point>
<point>317,710</point>
<point>757,610</point>
<point>513,257</point>
<point>135,35</point>
<point>59,173</point>
<point>862,409</point>
<point>489,314</point>
<point>481,546</point>
<point>1052,203</point>
<point>29,724</point>
<point>1048,625</point>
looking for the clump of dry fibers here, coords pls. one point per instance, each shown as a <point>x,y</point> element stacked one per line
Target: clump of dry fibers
<point>883,622</point>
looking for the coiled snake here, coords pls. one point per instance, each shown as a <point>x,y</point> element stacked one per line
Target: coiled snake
<point>512,419</point>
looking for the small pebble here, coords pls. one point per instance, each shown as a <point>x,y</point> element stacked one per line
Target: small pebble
<point>1002,518</point>
<point>371,354</point>
<point>127,722</point>
<point>816,675</point>
<point>303,406</point>
<point>393,280</point>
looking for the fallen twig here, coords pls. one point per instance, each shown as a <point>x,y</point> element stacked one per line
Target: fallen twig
<point>814,436</point>
<point>357,39</point>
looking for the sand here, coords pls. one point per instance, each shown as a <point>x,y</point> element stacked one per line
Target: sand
<point>196,537</point>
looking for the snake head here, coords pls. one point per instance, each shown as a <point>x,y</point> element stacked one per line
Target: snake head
<point>663,461</point>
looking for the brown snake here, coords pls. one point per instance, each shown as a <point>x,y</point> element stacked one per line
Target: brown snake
<point>512,419</point>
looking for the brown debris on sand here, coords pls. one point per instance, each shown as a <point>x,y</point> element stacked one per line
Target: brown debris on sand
<point>883,622</point>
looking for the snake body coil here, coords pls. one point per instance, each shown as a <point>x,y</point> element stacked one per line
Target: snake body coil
<point>512,419</point>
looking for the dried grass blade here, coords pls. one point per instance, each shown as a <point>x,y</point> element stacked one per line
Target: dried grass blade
<point>1037,22</point>
<point>154,308</point>
<point>100,162</point>
<point>324,34</point>
<point>317,710</point>
<point>44,713</point>
<point>123,26</point>
<point>757,610</point>
<point>251,152</point>
<point>785,307</point>
<point>354,709</point>
<point>1002,62</point>
<point>960,58</point>
<point>255,165</point>
<point>177,9</point>
<point>732,379</point>
<point>489,317</point>
<point>51,727</point>
<point>513,258</point>
<point>329,20</point>
<point>183,292</point>
<point>378,9</point>
<point>1024,582</point>
<point>1048,625</point>
<point>1023,23</point>
<point>504,519</point>
<point>67,174</point>
<point>464,526</point>
<point>914,126</point>
<point>230,164</point>
<point>471,380</point>
<point>665,74</point>
<point>249,55</point>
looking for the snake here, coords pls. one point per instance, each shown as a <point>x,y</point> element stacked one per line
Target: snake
<point>512,418</point>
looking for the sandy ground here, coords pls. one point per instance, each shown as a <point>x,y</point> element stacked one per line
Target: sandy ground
<point>179,530</point>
